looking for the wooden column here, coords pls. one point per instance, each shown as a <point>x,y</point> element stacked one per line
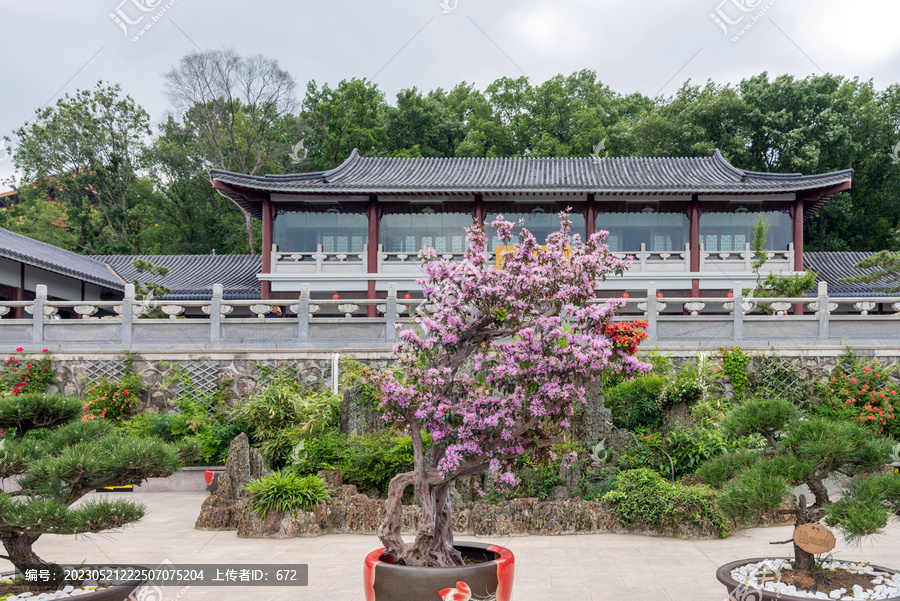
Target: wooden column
<point>797,215</point>
<point>694,236</point>
<point>478,210</point>
<point>373,214</point>
<point>19,312</point>
<point>268,219</point>
<point>590,217</point>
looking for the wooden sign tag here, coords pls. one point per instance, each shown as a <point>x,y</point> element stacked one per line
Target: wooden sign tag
<point>814,538</point>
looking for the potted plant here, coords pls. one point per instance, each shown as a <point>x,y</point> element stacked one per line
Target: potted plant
<point>805,450</point>
<point>493,369</point>
<point>59,458</point>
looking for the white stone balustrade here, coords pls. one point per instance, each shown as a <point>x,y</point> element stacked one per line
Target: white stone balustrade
<point>695,307</point>
<point>173,311</point>
<point>864,307</point>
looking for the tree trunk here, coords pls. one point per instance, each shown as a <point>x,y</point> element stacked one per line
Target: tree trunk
<point>819,491</point>
<point>248,223</point>
<point>803,560</point>
<point>18,548</point>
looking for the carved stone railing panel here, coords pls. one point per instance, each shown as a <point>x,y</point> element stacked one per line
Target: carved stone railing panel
<point>864,307</point>
<point>173,311</point>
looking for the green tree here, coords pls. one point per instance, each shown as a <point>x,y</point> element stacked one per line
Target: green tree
<point>59,465</point>
<point>343,118</point>
<point>237,108</point>
<point>804,451</point>
<point>86,152</point>
<point>883,265</point>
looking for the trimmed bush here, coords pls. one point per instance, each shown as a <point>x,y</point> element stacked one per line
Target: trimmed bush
<point>635,403</point>
<point>643,498</point>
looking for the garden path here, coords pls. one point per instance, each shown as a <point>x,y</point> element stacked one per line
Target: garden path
<point>550,568</point>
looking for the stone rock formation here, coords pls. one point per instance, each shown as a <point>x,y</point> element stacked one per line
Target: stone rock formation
<point>243,465</point>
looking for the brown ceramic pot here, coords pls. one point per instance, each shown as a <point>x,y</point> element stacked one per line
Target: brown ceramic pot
<point>489,571</point>
<point>118,592</point>
<point>741,592</point>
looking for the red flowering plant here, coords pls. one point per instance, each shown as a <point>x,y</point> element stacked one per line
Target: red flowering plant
<point>113,400</point>
<point>627,335</point>
<point>867,395</point>
<point>22,373</point>
<point>530,335</point>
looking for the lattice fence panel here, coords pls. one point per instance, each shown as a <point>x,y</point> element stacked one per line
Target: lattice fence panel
<point>203,377</point>
<point>778,377</point>
<point>111,370</point>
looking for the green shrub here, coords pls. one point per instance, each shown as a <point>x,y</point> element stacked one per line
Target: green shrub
<point>635,403</point>
<point>760,416</point>
<point>689,385</point>
<point>864,394</point>
<point>690,447</point>
<point>539,474</point>
<point>646,452</point>
<point>282,413</point>
<point>719,470</point>
<point>643,498</point>
<point>369,461</point>
<point>734,363</point>
<point>114,400</point>
<point>21,374</point>
<point>287,493</point>
<point>756,491</point>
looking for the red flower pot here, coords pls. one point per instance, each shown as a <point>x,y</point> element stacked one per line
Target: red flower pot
<point>489,571</point>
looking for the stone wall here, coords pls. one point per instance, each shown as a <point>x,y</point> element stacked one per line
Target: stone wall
<point>239,375</point>
<point>355,513</point>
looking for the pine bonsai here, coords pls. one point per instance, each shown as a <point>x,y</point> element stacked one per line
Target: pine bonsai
<point>805,450</point>
<point>61,459</point>
<point>532,340</point>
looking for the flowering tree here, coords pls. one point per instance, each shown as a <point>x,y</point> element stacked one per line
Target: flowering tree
<point>533,339</point>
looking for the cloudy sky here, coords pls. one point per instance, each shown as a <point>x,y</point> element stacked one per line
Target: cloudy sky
<point>52,47</point>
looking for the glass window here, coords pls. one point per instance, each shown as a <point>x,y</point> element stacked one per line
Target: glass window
<point>728,226</point>
<point>540,219</point>
<point>408,228</point>
<point>662,226</point>
<point>301,228</point>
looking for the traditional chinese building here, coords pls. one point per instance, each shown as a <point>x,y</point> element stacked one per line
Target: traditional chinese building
<point>688,222</point>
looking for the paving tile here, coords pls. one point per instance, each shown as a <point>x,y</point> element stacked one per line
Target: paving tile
<point>549,568</point>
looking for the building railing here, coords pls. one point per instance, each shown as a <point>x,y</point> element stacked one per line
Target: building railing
<point>733,261</point>
<point>317,324</point>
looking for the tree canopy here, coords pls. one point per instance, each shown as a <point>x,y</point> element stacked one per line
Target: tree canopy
<point>96,178</point>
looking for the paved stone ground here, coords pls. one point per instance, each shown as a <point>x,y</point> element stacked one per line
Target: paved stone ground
<point>550,568</point>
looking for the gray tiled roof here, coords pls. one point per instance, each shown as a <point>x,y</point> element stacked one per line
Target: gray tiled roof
<point>831,266</point>
<point>191,277</point>
<point>620,176</point>
<point>52,258</point>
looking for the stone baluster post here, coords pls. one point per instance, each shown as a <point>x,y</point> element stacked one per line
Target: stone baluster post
<point>652,311</point>
<point>390,314</point>
<point>738,314</point>
<point>40,299</point>
<point>823,311</point>
<point>127,316</point>
<point>215,314</point>
<point>303,314</point>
